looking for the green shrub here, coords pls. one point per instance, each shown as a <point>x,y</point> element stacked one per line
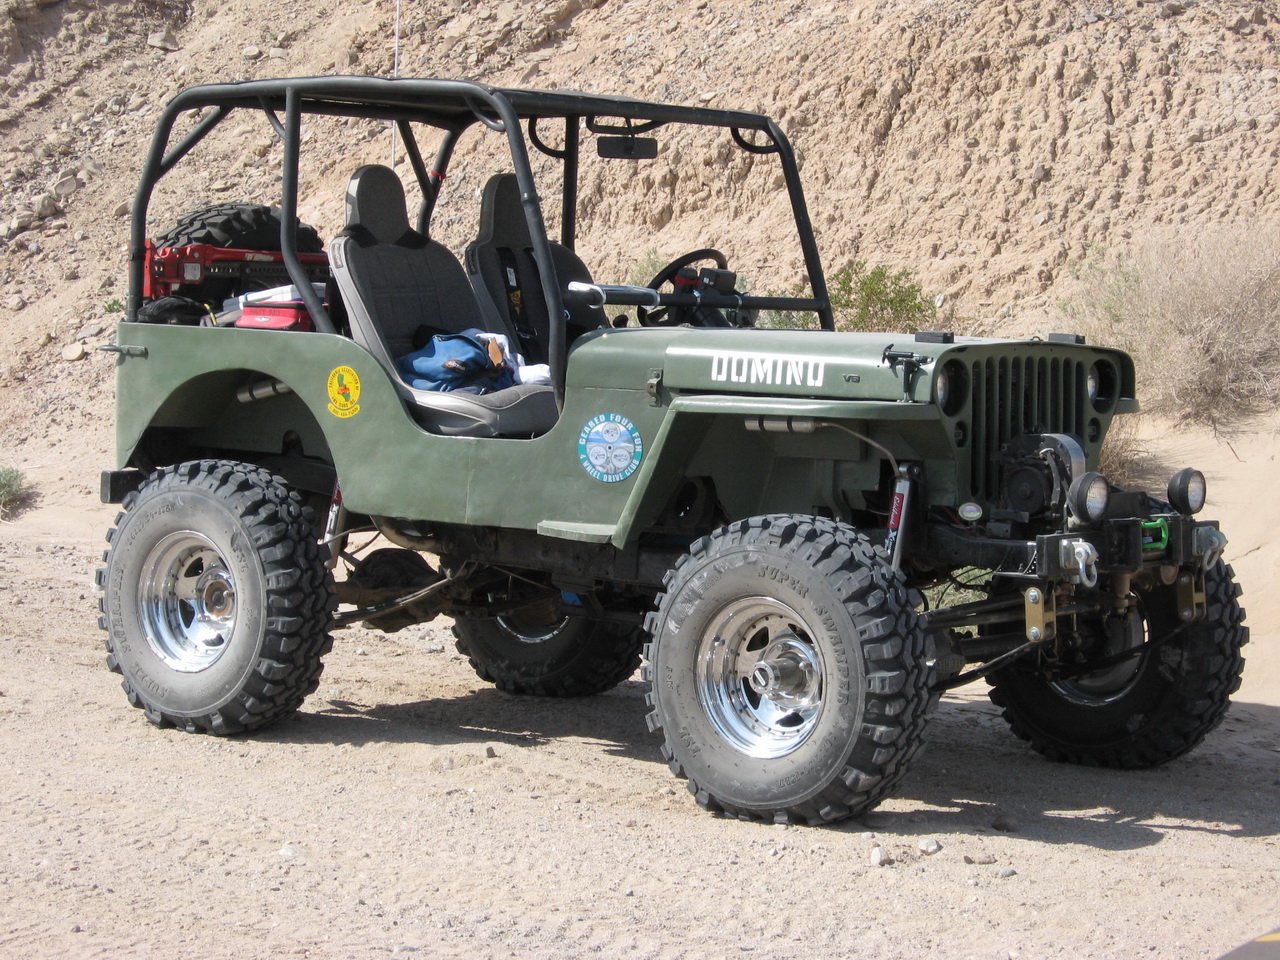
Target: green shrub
<point>863,299</point>
<point>13,489</point>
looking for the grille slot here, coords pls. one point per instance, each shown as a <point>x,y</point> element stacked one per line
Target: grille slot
<point>1016,395</point>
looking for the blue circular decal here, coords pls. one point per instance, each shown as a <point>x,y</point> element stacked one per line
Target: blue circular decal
<point>610,448</point>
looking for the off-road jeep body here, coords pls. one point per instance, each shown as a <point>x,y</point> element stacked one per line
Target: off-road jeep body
<point>761,508</point>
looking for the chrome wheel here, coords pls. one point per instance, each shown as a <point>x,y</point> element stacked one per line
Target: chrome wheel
<point>187,601</point>
<point>1110,683</point>
<point>760,677</point>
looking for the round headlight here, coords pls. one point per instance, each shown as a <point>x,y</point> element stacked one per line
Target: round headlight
<point>1188,491</point>
<point>1091,383</point>
<point>949,386</point>
<point>1088,496</point>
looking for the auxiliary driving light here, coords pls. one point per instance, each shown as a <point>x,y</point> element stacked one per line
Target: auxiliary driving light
<point>1187,491</point>
<point>1088,496</point>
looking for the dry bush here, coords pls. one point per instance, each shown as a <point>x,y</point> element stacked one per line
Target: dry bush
<point>1201,317</point>
<point>1128,460</point>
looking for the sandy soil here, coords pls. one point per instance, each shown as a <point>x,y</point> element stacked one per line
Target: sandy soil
<point>411,808</point>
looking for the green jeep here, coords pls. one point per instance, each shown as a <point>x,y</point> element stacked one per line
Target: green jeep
<point>602,472</point>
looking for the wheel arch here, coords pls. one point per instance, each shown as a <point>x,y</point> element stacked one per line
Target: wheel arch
<point>216,414</point>
<point>820,473</point>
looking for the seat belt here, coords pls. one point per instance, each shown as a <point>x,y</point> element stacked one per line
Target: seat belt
<point>517,312</point>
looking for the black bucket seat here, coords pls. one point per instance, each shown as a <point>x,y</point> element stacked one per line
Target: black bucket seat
<point>400,286</point>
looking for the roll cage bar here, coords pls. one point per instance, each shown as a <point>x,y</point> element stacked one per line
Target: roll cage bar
<point>453,107</point>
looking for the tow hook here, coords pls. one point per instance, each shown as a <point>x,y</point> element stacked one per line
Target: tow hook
<point>1079,558</point>
<point>1208,544</point>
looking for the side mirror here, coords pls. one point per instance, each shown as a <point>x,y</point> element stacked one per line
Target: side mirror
<point>626,148</point>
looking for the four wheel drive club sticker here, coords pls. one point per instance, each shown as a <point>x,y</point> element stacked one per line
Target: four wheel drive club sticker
<point>610,447</point>
<point>344,392</point>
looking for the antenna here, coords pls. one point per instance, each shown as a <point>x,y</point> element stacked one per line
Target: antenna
<point>395,72</point>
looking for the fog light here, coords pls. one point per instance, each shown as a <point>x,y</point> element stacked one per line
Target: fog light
<point>1088,496</point>
<point>1187,491</point>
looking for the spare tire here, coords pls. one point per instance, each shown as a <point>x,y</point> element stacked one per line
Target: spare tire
<point>236,226</point>
<point>240,226</point>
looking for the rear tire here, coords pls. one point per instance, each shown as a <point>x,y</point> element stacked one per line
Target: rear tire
<point>1146,711</point>
<point>537,652</point>
<point>215,598</point>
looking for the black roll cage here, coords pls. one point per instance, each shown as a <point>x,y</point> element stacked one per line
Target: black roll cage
<point>454,106</point>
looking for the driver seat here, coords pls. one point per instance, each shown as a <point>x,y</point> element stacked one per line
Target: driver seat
<point>505,276</point>
<point>399,285</point>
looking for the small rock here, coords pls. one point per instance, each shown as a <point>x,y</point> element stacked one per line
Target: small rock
<point>490,752</point>
<point>74,351</point>
<point>1259,16</point>
<point>929,846</point>
<point>251,53</point>
<point>879,857</point>
<point>76,928</point>
<point>34,247</point>
<point>868,835</point>
<point>1040,173</point>
<point>1090,18</point>
<point>982,858</point>
<point>1173,9</point>
<point>1241,26</point>
<point>276,53</point>
<point>1007,872</point>
<point>446,763</point>
<point>163,40</point>
<point>47,207</point>
<point>16,303</point>
<point>121,209</point>
<point>65,187</point>
<point>361,652</point>
<point>71,272</point>
<point>90,331</point>
<point>435,648</point>
<point>288,851</point>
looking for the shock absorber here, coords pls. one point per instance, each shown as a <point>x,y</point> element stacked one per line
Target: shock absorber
<point>898,508</point>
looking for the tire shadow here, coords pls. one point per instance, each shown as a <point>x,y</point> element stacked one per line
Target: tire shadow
<point>975,776</point>
<point>615,720</point>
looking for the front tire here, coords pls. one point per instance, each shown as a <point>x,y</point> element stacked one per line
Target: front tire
<point>215,598</point>
<point>788,671</point>
<point>1145,711</point>
<point>537,651</point>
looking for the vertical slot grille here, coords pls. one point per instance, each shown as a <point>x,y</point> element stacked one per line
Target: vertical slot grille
<point>1013,396</point>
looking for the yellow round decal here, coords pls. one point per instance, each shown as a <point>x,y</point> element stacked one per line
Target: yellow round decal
<point>344,392</point>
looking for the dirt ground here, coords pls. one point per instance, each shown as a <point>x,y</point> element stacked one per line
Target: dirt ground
<point>410,808</point>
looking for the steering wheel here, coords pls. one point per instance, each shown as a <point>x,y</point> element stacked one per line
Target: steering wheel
<point>658,316</point>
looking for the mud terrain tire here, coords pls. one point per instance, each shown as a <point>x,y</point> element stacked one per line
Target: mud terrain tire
<point>788,671</point>
<point>215,598</point>
<point>532,652</point>
<point>1151,712</point>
